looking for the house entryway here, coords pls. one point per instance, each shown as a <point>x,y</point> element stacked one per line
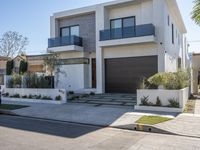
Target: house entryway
<point>108,99</point>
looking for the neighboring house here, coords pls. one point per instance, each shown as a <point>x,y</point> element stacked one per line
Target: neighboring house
<point>36,63</point>
<point>3,62</point>
<point>111,46</point>
<point>195,73</point>
<point>16,62</point>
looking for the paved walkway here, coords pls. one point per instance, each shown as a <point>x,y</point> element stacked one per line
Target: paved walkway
<point>115,116</point>
<point>197,107</point>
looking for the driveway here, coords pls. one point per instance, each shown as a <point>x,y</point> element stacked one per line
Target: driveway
<point>20,133</point>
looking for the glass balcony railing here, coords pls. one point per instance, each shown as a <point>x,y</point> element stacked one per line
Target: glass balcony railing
<point>65,41</point>
<point>127,32</point>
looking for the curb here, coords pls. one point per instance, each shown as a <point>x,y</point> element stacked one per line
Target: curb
<point>7,112</point>
<point>143,128</point>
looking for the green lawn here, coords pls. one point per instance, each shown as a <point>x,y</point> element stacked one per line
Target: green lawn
<point>151,120</point>
<point>11,107</point>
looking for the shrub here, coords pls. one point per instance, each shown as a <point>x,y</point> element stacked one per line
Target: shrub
<point>173,103</point>
<point>30,96</point>
<point>6,94</point>
<point>38,97</point>
<point>23,67</point>
<point>9,67</point>
<point>71,92</point>
<point>17,80</point>
<point>24,96</point>
<point>144,101</point>
<point>177,80</point>
<point>158,102</point>
<point>46,98</point>
<point>58,98</point>
<point>92,93</point>
<point>15,96</point>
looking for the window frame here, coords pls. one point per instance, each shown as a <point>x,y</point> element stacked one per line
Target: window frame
<point>122,24</point>
<point>172,33</point>
<point>69,27</point>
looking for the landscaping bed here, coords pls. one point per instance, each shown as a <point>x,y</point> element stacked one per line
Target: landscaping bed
<point>152,120</point>
<point>190,106</point>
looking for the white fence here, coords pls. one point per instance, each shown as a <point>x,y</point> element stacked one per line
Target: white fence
<point>164,95</point>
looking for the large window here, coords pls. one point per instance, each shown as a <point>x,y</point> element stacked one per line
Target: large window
<point>122,27</point>
<point>69,31</point>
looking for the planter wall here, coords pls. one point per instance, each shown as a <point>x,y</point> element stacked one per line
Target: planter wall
<point>43,92</point>
<point>164,95</point>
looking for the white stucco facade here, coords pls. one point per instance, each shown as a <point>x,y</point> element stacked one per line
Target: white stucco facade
<point>160,13</point>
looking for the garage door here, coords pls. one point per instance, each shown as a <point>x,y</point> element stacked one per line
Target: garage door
<point>123,75</point>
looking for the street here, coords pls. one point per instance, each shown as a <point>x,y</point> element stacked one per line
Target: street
<point>18,133</point>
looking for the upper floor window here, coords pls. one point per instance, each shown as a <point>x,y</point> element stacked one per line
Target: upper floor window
<point>122,22</point>
<point>122,27</point>
<point>69,31</point>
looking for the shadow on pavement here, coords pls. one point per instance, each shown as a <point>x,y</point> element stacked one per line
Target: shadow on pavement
<point>62,129</point>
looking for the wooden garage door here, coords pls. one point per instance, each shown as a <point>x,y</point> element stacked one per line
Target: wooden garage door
<point>122,75</point>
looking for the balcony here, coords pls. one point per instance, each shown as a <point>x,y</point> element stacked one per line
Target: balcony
<point>127,35</point>
<point>67,43</point>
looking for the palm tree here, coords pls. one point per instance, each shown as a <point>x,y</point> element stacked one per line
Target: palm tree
<point>196,12</point>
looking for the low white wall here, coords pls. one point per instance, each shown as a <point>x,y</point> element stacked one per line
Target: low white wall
<point>43,92</point>
<point>180,95</point>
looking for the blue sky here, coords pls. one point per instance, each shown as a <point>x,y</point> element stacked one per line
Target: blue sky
<point>31,19</point>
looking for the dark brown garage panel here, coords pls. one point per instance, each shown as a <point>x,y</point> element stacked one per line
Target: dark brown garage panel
<point>122,75</point>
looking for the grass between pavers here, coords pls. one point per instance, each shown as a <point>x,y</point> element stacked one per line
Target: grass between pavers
<point>190,106</point>
<point>11,106</point>
<point>151,120</point>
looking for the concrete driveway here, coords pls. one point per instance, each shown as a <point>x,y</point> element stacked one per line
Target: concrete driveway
<point>83,113</point>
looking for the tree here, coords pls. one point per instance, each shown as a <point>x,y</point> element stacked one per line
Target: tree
<point>9,67</point>
<point>23,67</point>
<point>12,44</point>
<point>51,63</point>
<point>196,12</point>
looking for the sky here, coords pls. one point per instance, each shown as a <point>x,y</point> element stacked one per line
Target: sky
<point>31,18</point>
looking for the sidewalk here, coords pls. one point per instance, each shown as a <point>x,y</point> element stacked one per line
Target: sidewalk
<point>113,116</point>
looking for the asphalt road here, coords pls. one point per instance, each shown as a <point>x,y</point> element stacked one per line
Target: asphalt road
<point>18,133</point>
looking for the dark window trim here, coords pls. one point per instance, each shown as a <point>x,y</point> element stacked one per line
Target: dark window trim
<point>122,24</point>
<point>69,29</point>
<point>168,20</point>
<point>172,33</point>
<point>122,20</point>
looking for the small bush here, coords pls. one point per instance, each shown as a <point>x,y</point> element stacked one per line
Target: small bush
<point>158,102</point>
<point>46,98</point>
<point>71,92</point>
<point>6,94</point>
<point>38,97</point>
<point>15,96</point>
<point>171,81</point>
<point>144,101</point>
<point>92,93</point>
<point>173,103</point>
<point>58,98</point>
<point>30,96</point>
<point>24,96</point>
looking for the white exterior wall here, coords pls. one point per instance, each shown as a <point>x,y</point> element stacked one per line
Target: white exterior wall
<point>75,77</point>
<point>146,12</point>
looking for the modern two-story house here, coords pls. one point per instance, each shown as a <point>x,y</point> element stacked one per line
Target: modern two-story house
<point>110,47</point>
